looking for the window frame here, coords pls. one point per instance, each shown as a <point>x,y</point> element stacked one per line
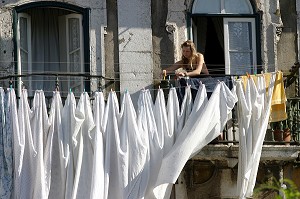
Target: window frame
<point>227,20</point>
<point>85,12</point>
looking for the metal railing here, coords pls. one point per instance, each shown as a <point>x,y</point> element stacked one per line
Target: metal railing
<point>285,132</point>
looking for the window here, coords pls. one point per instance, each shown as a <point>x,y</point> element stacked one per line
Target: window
<point>225,32</point>
<point>51,40</point>
<point>240,46</point>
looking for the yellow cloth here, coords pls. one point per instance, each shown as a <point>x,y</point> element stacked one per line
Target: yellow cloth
<point>278,103</point>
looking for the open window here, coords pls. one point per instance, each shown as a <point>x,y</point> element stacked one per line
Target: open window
<point>225,32</point>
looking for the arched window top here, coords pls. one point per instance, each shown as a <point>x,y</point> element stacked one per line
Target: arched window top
<point>222,7</point>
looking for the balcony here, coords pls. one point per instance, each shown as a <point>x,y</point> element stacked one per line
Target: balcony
<point>282,140</point>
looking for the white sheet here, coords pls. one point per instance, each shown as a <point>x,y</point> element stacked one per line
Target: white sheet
<point>97,184</point>
<point>6,149</point>
<point>59,162</point>
<point>201,128</point>
<point>253,111</point>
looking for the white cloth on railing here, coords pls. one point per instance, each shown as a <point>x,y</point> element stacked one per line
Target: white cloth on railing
<point>59,162</point>
<point>113,176</point>
<point>200,129</point>
<point>83,150</point>
<point>68,125</point>
<point>97,184</point>
<point>173,112</point>
<point>253,112</point>
<point>113,151</point>
<point>6,147</point>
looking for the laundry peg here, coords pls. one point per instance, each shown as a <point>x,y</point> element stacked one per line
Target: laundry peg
<point>164,74</point>
<point>10,84</point>
<point>57,84</point>
<point>248,75</point>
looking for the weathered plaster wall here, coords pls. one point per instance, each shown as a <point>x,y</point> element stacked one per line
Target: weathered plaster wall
<point>135,46</point>
<point>269,35</point>
<point>6,43</point>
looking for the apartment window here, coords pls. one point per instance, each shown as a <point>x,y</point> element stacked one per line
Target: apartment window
<point>51,40</point>
<point>225,32</point>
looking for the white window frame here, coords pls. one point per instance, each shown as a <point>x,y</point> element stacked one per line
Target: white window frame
<point>226,42</point>
<point>66,24</point>
<point>19,58</point>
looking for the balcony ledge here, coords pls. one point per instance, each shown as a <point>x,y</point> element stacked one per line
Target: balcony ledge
<point>229,152</point>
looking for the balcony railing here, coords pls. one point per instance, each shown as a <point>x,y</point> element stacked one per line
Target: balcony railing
<point>285,132</point>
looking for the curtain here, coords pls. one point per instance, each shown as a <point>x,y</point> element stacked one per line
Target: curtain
<point>218,24</point>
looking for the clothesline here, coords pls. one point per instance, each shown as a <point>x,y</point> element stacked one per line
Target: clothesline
<point>111,150</point>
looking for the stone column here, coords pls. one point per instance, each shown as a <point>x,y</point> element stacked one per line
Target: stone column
<point>135,46</point>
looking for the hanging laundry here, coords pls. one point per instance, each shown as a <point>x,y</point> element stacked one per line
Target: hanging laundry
<point>6,149</point>
<point>160,115</point>
<point>59,162</point>
<point>253,110</point>
<point>18,141</point>
<point>97,183</point>
<point>200,129</point>
<point>83,138</point>
<point>147,126</point>
<point>155,139</point>
<point>278,106</point>
<point>186,108</point>
<point>137,150</point>
<point>42,140</point>
<point>113,176</point>
<point>173,118</point>
<point>70,125</point>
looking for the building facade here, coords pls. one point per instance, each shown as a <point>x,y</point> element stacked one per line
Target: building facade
<point>124,45</point>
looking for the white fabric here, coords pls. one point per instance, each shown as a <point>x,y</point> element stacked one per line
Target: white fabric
<point>83,138</point>
<point>146,125</point>
<point>173,112</point>
<point>70,125</point>
<point>18,144</point>
<point>155,145</point>
<point>253,111</point>
<point>161,120</point>
<point>58,168</point>
<point>137,150</point>
<point>112,152</point>
<point>113,177</point>
<point>97,184</point>
<point>186,109</point>
<point>6,149</point>
<point>42,139</point>
<point>201,128</point>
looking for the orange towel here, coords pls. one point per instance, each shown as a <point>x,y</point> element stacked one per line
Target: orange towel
<point>278,104</point>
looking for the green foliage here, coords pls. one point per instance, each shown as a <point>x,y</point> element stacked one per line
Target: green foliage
<point>285,189</point>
